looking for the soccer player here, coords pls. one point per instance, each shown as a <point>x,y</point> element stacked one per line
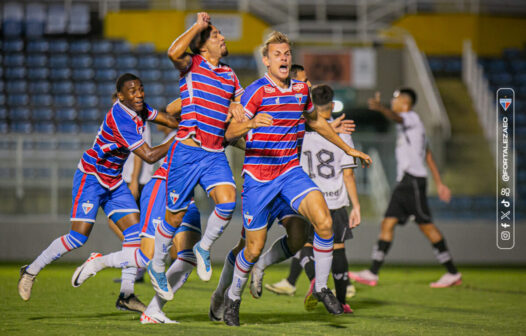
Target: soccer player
<point>98,183</point>
<point>207,89</point>
<point>273,106</point>
<point>409,196</point>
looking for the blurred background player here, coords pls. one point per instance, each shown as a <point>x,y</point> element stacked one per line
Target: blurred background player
<point>98,183</point>
<point>409,196</point>
<point>207,89</point>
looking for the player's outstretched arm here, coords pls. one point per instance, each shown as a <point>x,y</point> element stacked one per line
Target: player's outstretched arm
<point>342,126</point>
<point>174,108</point>
<point>443,191</point>
<point>238,129</point>
<point>375,105</point>
<point>321,126</point>
<point>177,51</point>
<point>166,119</point>
<point>153,154</point>
<point>350,186</point>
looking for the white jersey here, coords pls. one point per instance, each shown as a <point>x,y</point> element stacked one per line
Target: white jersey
<point>324,162</point>
<point>411,144</point>
<point>147,169</point>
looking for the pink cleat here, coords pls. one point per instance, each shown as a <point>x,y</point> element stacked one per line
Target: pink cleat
<point>447,280</point>
<point>347,309</point>
<point>365,277</point>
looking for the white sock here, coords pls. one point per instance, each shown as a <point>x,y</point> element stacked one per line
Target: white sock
<point>278,252</point>
<point>241,273</point>
<point>217,222</point>
<point>128,280</point>
<point>127,257</point>
<point>163,240</point>
<point>225,280</point>
<point>322,260</point>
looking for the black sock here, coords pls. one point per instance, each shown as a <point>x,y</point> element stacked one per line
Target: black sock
<point>340,276</point>
<point>295,270</point>
<point>307,261</point>
<point>443,256</point>
<point>379,251</point>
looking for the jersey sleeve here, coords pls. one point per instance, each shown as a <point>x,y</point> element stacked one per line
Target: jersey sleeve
<point>251,100</point>
<point>152,113</point>
<point>126,132</point>
<point>347,160</point>
<point>409,120</point>
<point>309,106</point>
<point>237,86</point>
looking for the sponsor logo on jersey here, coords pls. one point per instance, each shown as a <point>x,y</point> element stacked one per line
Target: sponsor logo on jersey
<point>269,89</point>
<point>248,218</point>
<point>173,196</point>
<point>297,87</point>
<point>298,96</point>
<point>505,103</point>
<point>87,206</point>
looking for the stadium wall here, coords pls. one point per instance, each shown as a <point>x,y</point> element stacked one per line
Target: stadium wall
<point>443,34</point>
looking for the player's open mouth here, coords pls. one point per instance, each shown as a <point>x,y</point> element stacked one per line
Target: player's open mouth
<point>139,104</point>
<point>284,69</point>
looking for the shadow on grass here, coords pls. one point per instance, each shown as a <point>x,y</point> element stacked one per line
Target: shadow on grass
<point>493,290</point>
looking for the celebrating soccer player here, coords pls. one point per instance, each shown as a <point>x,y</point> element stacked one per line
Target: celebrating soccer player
<point>273,106</point>
<point>409,197</point>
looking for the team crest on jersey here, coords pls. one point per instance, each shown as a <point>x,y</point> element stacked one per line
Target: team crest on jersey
<point>297,87</point>
<point>248,218</point>
<point>86,207</point>
<point>269,89</point>
<point>299,97</point>
<point>505,103</point>
<point>173,196</point>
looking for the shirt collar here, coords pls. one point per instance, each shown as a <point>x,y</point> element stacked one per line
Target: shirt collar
<point>128,110</point>
<point>282,90</point>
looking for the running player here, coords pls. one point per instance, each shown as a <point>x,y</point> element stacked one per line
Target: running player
<point>207,89</point>
<point>274,105</point>
<point>409,196</point>
<point>98,183</point>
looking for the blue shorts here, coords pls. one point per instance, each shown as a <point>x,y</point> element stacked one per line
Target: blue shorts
<point>153,203</point>
<point>188,166</point>
<point>279,210</point>
<point>263,201</point>
<point>88,195</point>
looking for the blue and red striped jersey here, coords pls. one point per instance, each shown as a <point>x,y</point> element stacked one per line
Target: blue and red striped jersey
<point>206,93</point>
<point>272,151</point>
<point>119,134</point>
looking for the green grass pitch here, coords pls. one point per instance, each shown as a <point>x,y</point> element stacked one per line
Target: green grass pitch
<point>491,301</point>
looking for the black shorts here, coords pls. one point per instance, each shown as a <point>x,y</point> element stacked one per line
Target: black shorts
<point>410,199</point>
<point>340,226</point>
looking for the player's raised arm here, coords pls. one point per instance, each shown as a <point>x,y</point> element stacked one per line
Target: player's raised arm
<point>375,105</point>
<point>238,129</point>
<point>168,120</point>
<point>443,191</point>
<point>177,51</point>
<point>174,108</point>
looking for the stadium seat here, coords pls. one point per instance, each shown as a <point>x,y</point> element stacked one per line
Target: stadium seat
<point>106,75</point>
<point>62,87</point>
<point>3,113</point>
<point>64,100</point>
<point>16,86</point>
<point>58,46</point>
<point>86,100</point>
<point>157,102</point>
<point>105,89</point>
<point>2,85</point>
<point>172,77</point>
<point>103,61</point>
<point>89,114</point>
<point>89,127</point>
<point>153,88</point>
<point>166,64</point>
<point>36,60</point>
<point>4,128</point>
<point>39,86</point>
<point>171,90</point>
<point>101,47</point>
<point>37,46</point>
<point>35,20</point>
<point>18,99</point>
<point>15,73</point>
<point>80,19</point>
<point>56,19</point>
<point>13,16</point>
<point>85,88</point>
<point>59,61</point>
<point>67,127</point>
<point>519,78</point>
<point>518,65</point>
<point>19,113</point>
<point>21,127</point>
<point>145,48</point>
<point>121,47</point>
<point>14,60</point>
<point>42,114</point>
<point>150,75</point>
<point>81,61</point>
<point>82,74</point>
<point>148,62</point>
<point>41,100</point>
<point>512,53</point>
<point>125,62</point>
<point>497,65</point>
<point>13,45</point>
<point>44,127</point>
<point>2,99</point>
<point>60,73</point>
<point>80,46</point>
<point>65,114</point>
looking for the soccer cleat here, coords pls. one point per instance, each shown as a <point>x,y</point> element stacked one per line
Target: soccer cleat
<point>131,303</point>
<point>25,283</point>
<point>330,302</point>
<point>310,301</point>
<point>256,283</point>
<point>447,280</point>
<point>365,277</point>
<point>204,269</point>
<point>88,269</point>
<point>283,287</point>
<point>347,309</point>
<point>160,284</point>
<point>156,318</point>
<point>231,313</point>
<point>217,308</point>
